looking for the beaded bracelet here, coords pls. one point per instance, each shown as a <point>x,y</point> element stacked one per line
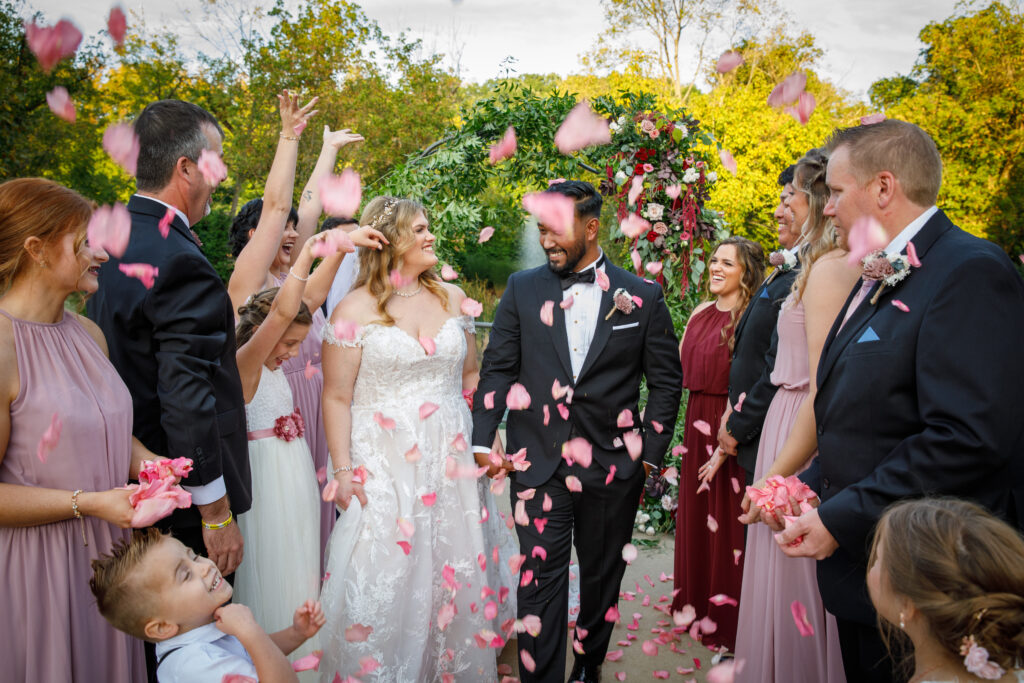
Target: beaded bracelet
<point>291,271</point>
<point>289,137</point>
<point>78,515</point>
<point>220,525</point>
<point>343,468</point>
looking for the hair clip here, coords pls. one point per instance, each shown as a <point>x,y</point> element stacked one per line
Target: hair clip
<point>389,207</point>
<point>976,658</point>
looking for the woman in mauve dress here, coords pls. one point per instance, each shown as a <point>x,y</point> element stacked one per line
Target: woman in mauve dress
<point>66,447</point>
<point>705,564</point>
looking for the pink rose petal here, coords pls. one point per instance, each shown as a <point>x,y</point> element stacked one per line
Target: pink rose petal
<point>427,409</point>
<point>702,426</point>
<point>448,273</point>
<point>340,195</point>
<point>673,191</point>
<point>728,161</point>
<point>471,307</point>
<point>527,660</point>
<point>912,255</point>
<point>601,278</point>
<point>518,398</point>
<point>552,210</point>
<point>872,119</point>
<point>634,444</point>
<point>578,450</point>
<point>650,648</point>
<point>800,618</point>
<point>212,167</point>
<point>632,226</point>
<point>164,226</point>
<point>547,313</point>
<point>566,304</point>
<point>121,143</point>
<point>52,44</point>
<point>573,484</point>
<point>722,599</point>
<point>582,128</point>
<point>788,91</point>
<point>636,188</point>
<point>803,109</point>
<point>654,268</point>
<point>625,419</point>
<point>117,26</point>
<point>504,148</point>
<point>384,422</point>
<point>865,236</point>
<point>109,229</point>
<point>143,272</point>
<point>61,104</point>
<point>50,438</point>
<point>729,60</point>
<point>712,524</point>
<point>485,235</point>
<point>310,662</point>
<point>357,633</point>
<point>629,553</point>
<point>900,305</point>
<point>428,345</point>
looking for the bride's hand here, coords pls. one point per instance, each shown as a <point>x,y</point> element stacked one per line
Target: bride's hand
<point>348,487</point>
<point>707,471</point>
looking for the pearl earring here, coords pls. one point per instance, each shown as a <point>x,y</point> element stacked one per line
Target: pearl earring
<point>903,624</point>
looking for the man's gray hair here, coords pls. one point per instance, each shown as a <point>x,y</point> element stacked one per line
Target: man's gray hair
<point>168,130</point>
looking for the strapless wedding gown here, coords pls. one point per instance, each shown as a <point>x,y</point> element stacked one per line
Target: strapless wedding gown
<point>379,576</point>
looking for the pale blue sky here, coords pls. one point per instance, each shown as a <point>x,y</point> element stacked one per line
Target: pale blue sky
<point>863,40</point>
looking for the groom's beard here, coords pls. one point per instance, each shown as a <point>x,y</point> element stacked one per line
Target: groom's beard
<point>573,255</point>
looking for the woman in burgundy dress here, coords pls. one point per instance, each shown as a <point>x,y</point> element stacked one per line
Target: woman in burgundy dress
<point>707,531</point>
<point>66,447</point>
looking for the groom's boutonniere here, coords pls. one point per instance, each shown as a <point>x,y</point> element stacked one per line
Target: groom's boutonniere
<point>891,269</point>
<point>624,303</point>
<point>783,260</point>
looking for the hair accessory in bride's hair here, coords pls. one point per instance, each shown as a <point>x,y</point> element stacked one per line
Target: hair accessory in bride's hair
<point>976,657</point>
<point>389,207</point>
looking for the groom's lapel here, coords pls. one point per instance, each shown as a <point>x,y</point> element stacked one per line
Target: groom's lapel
<point>604,326</point>
<point>549,288</point>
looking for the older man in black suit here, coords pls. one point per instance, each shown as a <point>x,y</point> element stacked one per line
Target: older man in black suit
<point>174,344</point>
<point>919,380</point>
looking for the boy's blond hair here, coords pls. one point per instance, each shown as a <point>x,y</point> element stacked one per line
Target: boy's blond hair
<point>118,587</point>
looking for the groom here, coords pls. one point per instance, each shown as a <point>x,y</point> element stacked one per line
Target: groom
<point>600,352</point>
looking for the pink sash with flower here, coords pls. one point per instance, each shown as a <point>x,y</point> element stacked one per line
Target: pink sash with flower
<point>286,428</point>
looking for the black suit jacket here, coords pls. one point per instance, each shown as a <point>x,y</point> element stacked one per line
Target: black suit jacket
<point>625,349</point>
<point>919,403</point>
<point>174,346</point>
<point>752,363</point>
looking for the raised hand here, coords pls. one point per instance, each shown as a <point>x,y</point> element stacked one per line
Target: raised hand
<point>308,619</point>
<point>707,471</point>
<point>293,117</point>
<point>339,138</point>
<point>368,238</point>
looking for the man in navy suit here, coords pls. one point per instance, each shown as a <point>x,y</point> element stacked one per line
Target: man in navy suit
<point>919,380</point>
<point>600,352</point>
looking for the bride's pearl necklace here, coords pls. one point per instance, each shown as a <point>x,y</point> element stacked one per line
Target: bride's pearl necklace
<point>409,294</point>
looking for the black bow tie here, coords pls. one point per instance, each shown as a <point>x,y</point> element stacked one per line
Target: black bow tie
<point>584,276</point>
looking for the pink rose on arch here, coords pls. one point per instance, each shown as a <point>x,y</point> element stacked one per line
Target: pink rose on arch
<point>648,168</point>
<point>660,228</point>
<point>647,126</point>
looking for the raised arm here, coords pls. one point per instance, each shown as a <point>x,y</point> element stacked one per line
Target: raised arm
<point>320,281</point>
<point>252,264</point>
<point>310,206</point>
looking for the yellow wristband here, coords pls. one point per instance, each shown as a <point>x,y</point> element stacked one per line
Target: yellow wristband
<point>221,525</point>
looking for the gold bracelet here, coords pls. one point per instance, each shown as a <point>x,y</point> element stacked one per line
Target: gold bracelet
<point>78,515</point>
<point>221,525</point>
<point>289,137</point>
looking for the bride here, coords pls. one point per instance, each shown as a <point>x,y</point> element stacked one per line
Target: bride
<point>412,568</point>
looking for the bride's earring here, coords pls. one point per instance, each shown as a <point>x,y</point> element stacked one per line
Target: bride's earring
<point>903,624</point>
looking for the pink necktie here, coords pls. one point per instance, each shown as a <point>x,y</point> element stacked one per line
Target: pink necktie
<point>865,287</point>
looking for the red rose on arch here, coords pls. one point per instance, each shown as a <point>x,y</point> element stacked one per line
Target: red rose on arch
<point>638,169</point>
<point>651,235</point>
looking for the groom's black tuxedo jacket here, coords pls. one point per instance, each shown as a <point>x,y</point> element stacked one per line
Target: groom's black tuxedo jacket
<point>919,403</point>
<point>752,363</point>
<point>174,346</point>
<point>625,348</point>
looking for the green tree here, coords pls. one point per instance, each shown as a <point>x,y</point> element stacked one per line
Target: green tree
<point>965,90</point>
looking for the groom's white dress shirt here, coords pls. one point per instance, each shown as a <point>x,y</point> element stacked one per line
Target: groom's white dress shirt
<point>581,318</point>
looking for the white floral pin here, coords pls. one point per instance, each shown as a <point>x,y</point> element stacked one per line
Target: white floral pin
<point>624,303</point>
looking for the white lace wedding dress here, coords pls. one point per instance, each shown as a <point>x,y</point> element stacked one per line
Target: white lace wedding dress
<point>372,580</point>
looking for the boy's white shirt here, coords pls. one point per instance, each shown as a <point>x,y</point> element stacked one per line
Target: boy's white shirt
<point>206,654</point>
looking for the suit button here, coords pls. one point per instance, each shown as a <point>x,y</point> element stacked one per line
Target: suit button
<point>826,483</point>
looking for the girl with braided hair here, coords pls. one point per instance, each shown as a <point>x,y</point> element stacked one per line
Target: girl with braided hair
<point>947,580</point>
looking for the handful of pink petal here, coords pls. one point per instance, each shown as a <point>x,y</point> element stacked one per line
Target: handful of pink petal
<point>157,494</point>
<point>786,496</point>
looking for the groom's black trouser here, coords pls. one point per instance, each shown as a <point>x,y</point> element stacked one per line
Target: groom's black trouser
<point>601,517</point>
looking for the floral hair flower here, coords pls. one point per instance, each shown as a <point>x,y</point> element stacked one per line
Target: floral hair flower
<point>976,658</point>
<point>623,303</point>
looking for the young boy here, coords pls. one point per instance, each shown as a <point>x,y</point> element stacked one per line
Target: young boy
<point>156,589</point>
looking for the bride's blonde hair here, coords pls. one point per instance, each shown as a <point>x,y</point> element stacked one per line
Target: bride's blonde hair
<point>393,217</point>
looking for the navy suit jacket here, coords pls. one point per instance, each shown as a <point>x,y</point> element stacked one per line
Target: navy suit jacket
<point>174,346</point>
<point>919,403</point>
<point>752,363</point>
<point>625,349</point>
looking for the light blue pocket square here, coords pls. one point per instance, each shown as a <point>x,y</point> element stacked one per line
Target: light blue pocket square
<point>764,294</point>
<point>868,336</point>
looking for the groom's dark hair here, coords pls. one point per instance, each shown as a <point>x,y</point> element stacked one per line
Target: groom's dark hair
<point>168,130</point>
<point>588,201</point>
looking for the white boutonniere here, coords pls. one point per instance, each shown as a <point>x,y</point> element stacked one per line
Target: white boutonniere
<point>624,303</point>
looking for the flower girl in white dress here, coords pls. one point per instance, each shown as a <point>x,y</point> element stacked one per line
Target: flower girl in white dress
<point>281,567</point>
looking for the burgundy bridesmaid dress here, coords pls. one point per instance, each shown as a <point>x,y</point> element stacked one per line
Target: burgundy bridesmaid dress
<point>51,629</point>
<point>705,562</point>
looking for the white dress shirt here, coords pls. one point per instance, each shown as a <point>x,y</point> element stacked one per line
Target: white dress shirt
<point>206,655</point>
<point>215,490</point>
<point>910,232</point>
<point>581,318</point>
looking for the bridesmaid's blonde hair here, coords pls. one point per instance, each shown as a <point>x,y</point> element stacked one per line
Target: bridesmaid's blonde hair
<point>819,236</point>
